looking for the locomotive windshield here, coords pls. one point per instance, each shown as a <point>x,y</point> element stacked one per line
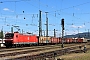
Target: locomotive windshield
<point>9,36</point>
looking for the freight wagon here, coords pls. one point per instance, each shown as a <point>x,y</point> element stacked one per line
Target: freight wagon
<point>79,40</point>
<point>48,40</point>
<point>55,40</point>
<point>44,40</point>
<point>68,40</point>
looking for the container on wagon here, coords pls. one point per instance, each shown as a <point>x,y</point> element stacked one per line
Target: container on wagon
<point>43,39</point>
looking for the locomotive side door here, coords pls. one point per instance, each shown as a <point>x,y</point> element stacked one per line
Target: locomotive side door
<point>16,38</point>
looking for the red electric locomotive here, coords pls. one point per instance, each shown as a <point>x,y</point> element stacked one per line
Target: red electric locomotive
<point>17,39</point>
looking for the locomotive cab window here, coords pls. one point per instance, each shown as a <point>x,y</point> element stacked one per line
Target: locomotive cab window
<point>9,35</point>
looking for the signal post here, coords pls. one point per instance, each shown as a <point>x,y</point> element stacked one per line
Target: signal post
<point>62,24</point>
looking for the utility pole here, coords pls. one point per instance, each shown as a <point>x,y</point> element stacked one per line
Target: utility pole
<point>46,25</point>
<point>88,32</point>
<point>44,33</point>
<point>62,23</point>
<point>54,33</point>
<point>11,29</point>
<point>22,31</point>
<point>40,24</point>
<point>78,32</point>
<point>2,34</point>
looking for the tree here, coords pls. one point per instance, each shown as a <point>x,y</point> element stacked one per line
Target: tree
<point>1,34</point>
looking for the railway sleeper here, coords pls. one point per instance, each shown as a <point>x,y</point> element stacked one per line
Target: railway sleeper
<point>49,54</point>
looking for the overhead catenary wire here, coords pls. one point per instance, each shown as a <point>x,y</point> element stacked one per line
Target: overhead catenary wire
<point>55,13</point>
<point>71,7</point>
<point>43,4</point>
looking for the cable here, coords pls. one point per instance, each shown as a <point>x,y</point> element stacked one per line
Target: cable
<point>72,6</point>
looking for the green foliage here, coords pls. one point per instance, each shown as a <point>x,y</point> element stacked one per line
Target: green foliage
<point>1,34</point>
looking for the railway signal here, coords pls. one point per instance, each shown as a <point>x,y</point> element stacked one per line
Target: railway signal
<point>62,23</point>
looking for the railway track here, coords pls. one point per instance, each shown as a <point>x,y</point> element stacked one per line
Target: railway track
<point>30,53</point>
<point>13,53</point>
<point>7,52</point>
<point>32,47</point>
<point>51,54</point>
